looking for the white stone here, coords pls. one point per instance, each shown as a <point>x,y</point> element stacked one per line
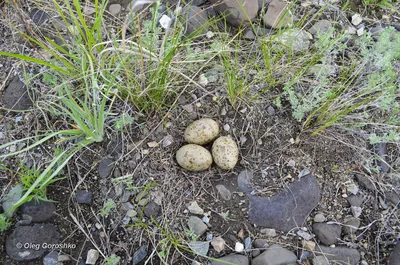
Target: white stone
<point>165,21</point>
<point>351,30</point>
<point>360,31</point>
<point>356,211</point>
<point>210,34</point>
<point>92,257</point>
<point>227,127</point>
<point>356,19</point>
<point>203,81</point>
<point>167,141</point>
<point>239,247</point>
<point>352,188</point>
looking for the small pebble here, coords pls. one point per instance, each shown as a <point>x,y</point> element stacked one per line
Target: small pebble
<point>239,247</point>
<point>92,257</point>
<point>247,243</point>
<point>194,208</point>
<point>356,19</point>
<point>356,211</point>
<point>304,235</point>
<point>115,9</point>
<point>218,244</point>
<point>139,255</point>
<point>205,219</point>
<point>131,213</point>
<point>308,245</point>
<point>268,232</point>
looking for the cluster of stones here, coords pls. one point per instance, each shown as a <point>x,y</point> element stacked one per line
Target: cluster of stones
<point>283,213</point>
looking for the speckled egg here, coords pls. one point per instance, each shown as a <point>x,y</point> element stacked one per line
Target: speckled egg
<point>201,131</point>
<point>194,157</point>
<point>225,152</point>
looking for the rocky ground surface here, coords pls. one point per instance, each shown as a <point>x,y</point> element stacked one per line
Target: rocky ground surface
<point>292,198</point>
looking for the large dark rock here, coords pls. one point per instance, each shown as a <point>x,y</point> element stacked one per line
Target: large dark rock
<point>40,211</point>
<point>16,95</point>
<point>195,19</point>
<point>365,182</point>
<point>275,255</point>
<point>233,259</point>
<point>381,151</point>
<point>237,12</point>
<point>328,234</point>
<point>39,17</point>
<point>395,257</point>
<point>340,255</point>
<point>286,210</point>
<point>29,242</point>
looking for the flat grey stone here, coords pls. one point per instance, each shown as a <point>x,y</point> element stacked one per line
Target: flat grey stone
<point>237,12</point>
<point>277,15</point>
<point>244,181</point>
<point>152,209</point>
<point>16,96</point>
<point>139,255</point>
<point>195,19</point>
<point>328,234</point>
<point>51,259</point>
<point>39,210</point>
<point>355,200</point>
<point>84,197</point>
<point>296,40</point>
<point>105,167</point>
<point>225,194</point>
<point>340,255</point>
<point>392,197</point>
<point>381,151</point>
<point>11,198</point>
<point>321,26</point>
<point>196,225</point>
<point>200,247</point>
<point>232,258</point>
<point>351,224</point>
<point>365,182</point>
<point>114,9</point>
<point>275,255</point>
<point>39,17</point>
<point>249,35</point>
<point>26,242</point>
<point>260,243</point>
<point>287,209</point>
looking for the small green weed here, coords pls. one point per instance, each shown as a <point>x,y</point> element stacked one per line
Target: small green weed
<point>30,176</point>
<point>108,206</point>
<point>112,260</point>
